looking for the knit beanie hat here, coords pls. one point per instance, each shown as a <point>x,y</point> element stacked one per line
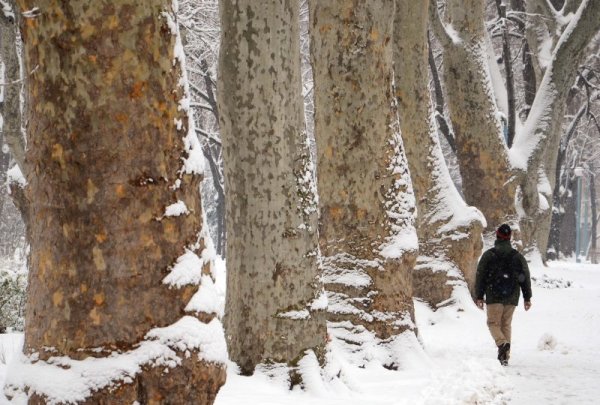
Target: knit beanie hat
<point>503,232</point>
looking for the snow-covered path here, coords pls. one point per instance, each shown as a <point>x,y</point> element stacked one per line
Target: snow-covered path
<point>569,372</point>
<point>555,356</point>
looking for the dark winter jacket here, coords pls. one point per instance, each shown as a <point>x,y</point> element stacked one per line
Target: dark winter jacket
<point>483,284</point>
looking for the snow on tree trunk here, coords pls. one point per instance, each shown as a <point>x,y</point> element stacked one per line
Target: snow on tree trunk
<point>449,231</point>
<point>10,106</point>
<point>482,155</point>
<point>536,146</point>
<point>367,234</point>
<point>110,165</point>
<point>275,300</point>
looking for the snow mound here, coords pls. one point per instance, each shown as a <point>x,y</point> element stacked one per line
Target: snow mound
<point>545,281</point>
<point>65,380</point>
<point>547,342</point>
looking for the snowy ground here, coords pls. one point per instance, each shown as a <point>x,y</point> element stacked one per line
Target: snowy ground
<point>555,356</point>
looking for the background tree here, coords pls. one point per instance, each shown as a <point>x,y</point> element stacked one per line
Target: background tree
<point>275,300</point>
<point>494,178</point>
<point>107,224</point>
<point>199,22</point>
<point>12,141</point>
<point>449,231</point>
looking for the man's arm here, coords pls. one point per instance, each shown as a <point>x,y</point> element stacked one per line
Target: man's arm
<point>480,279</point>
<point>526,284</point>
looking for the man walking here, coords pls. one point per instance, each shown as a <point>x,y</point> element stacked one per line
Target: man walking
<point>500,273</point>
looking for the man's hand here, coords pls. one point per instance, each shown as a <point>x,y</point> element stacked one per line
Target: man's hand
<point>527,305</point>
<point>479,304</point>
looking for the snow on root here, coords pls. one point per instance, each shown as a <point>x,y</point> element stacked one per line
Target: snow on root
<point>66,381</point>
<point>547,342</point>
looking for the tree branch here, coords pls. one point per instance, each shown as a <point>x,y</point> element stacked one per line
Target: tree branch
<point>438,27</point>
<point>510,84</point>
<point>439,99</point>
<point>10,108</point>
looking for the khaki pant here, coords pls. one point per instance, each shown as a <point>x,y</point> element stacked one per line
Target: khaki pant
<point>499,318</point>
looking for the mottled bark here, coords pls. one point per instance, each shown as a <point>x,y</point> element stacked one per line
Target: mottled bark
<point>449,231</point>
<point>542,131</point>
<point>273,311</point>
<point>104,159</point>
<point>366,198</point>
<point>488,183</point>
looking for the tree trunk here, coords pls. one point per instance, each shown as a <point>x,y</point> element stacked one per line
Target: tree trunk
<point>367,234</point>
<point>541,33</point>
<point>541,134</point>
<point>441,119</point>
<point>107,138</point>
<point>210,152</point>
<point>482,155</point>
<point>10,108</point>
<point>557,195</point>
<point>508,70</point>
<point>274,305</point>
<point>568,224</point>
<point>449,231</point>
<point>529,77</point>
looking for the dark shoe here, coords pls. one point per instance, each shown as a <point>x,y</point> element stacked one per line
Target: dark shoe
<point>503,350</point>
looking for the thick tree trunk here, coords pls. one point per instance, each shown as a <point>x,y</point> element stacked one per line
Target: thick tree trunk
<point>482,155</point>
<point>449,231</point>
<point>275,300</point>
<point>107,138</point>
<point>368,240</point>
<point>537,145</point>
